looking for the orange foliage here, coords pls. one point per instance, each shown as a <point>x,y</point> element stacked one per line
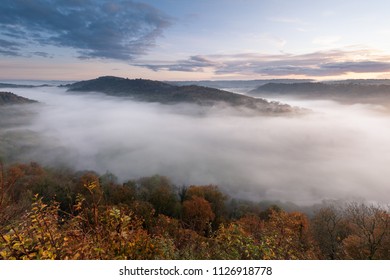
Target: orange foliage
<point>151,219</point>
<point>197,214</point>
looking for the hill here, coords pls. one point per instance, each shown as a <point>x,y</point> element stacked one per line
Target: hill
<point>10,98</point>
<point>236,85</point>
<point>7,85</point>
<point>344,92</point>
<point>155,91</point>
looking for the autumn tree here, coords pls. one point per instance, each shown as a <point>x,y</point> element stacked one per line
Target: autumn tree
<point>370,231</point>
<point>253,225</point>
<point>287,236</point>
<point>16,184</point>
<point>237,208</point>
<point>117,234</point>
<point>233,242</point>
<point>215,197</point>
<point>116,194</point>
<point>35,236</point>
<point>329,228</point>
<point>20,178</point>
<point>197,214</point>
<point>161,193</point>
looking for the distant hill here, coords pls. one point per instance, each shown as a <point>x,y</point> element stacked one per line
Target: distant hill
<point>361,81</point>
<point>345,92</point>
<point>240,85</point>
<point>7,85</point>
<point>10,98</point>
<point>155,91</point>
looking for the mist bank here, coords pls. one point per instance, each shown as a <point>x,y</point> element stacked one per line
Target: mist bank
<point>337,152</point>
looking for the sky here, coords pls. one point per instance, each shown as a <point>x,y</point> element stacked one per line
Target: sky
<point>194,40</point>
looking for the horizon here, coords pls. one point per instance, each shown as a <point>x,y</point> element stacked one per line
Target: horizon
<point>204,80</point>
<point>194,41</point>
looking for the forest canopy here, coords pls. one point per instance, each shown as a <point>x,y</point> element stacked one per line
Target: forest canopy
<point>48,213</point>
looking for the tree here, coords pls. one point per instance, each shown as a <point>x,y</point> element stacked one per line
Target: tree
<point>215,197</point>
<point>370,226</point>
<point>21,177</point>
<point>116,194</point>
<point>287,236</point>
<point>235,243</point>
<point>197,215</point>
<point>16,184</point>
<point>329,229</point>
<point>36,236</point>
<point>253,225</point>
<point>161,193</point>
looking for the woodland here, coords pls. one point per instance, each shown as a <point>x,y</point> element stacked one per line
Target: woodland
<point>59,213</point>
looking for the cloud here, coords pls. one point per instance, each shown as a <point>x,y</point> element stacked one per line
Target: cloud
<point>196,63</point>
<point>109,29</point>
<point>9,48</point>
<point>41,54</point>
<point>323,63</point>
<point>340,152</point>
<point>358,67</point>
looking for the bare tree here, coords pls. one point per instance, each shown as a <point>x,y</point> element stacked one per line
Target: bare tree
<point>370,225</point>
<point>329,229</point>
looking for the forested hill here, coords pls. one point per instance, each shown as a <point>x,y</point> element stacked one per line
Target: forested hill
<point>241,85</point>
<point>155,91</point>
<point>338,91</point>
<point>11,98</point>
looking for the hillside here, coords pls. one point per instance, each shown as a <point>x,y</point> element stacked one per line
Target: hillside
<point>10,98</point>
<point>344,92</point>
<point>155,91</point>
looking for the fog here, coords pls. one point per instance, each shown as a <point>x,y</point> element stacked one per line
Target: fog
<point>337,152</point>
